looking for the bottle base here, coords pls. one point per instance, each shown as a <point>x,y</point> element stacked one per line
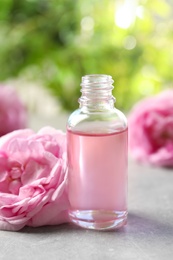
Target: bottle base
<point>98,219</point>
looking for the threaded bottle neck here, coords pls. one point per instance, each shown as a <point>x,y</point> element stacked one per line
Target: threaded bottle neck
<point>97,92</point>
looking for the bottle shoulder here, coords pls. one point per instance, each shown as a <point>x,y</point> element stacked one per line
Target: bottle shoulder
<point>105,121</point>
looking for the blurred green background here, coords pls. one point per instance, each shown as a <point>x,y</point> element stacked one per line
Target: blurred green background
<point>59,41</point>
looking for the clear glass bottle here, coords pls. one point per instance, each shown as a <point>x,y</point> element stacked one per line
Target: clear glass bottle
<point>97,157</point>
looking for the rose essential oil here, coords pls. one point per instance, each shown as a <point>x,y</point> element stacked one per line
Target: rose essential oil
<point>97,158</point>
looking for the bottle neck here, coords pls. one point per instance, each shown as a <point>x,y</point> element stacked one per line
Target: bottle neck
<point>97,93</point>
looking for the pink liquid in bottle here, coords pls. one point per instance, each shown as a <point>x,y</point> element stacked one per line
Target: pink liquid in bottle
<point>98,179</point>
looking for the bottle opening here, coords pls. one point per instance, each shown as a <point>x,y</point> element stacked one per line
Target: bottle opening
<point>98,80</point>
<point>97,92</point>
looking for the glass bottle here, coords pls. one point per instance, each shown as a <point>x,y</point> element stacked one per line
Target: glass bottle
<point>97,157</point>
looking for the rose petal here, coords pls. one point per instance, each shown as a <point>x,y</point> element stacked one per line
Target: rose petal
<point>4,225</point>
<point>6,139</point>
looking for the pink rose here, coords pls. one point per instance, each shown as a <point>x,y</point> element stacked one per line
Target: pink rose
<point>33,176</point>
<point>13,114</point>
<point>151,130</point>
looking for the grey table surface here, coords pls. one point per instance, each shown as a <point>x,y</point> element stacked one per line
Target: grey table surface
<point>148,234</point>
